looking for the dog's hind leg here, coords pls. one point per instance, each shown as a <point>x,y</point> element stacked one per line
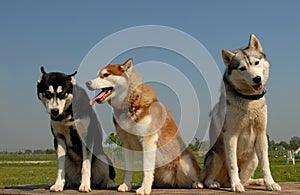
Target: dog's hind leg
<point>73,173</point>
<point>247,168</point>
<point>212,168</point>
<point>190,168</point>
<point>182,172</point>
<point>103,173</point>
<point>256,182</point>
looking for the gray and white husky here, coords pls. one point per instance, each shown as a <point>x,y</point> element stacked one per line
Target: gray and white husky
<point>238,134</point>
<point>77,134</point>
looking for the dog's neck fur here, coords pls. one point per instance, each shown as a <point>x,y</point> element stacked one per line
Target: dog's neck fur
<point>230,87</point>
<point>124,98</point>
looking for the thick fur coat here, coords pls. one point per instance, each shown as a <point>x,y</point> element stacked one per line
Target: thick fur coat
<point>238,127</point>
<point>145,125</point>
<point>77,134</point>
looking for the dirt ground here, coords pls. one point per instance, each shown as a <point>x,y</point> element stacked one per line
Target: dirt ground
<point>287,188</point>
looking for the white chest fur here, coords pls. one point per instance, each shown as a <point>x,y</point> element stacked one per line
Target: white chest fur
<point>246,122</point>
<point>127,123</point>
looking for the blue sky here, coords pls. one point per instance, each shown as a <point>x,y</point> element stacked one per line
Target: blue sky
<point>59,34</point>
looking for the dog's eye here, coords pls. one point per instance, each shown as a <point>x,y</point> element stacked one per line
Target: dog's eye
<point>243,69</point>
<point>47,94</point>
<point>256,63</point>
<point>105,75</point>
<point>61,95</point>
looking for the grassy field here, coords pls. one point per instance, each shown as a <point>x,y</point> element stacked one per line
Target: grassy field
<point>13,170</point>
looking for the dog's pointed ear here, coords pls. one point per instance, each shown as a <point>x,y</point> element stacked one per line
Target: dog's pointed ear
<point>72,78</point>
<point>227,56</point>
<point>73,74</point>
<point>127,65</point>
<point>254,43</point>
<point>43,72</point>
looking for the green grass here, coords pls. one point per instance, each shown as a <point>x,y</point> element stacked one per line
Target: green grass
<point>44,173</point>
<point>281,171</point>
<point>26,157</point>
<point>19,174</point>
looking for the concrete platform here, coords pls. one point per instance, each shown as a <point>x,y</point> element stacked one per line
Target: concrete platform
<point>287,188</point>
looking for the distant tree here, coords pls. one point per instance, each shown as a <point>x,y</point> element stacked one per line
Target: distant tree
<point>38,152</point>
<point>191,147</point>
<point>196,146</point>
<point>28,151</point>
<point>113,139</point>
<point>284,145</point>
<point>294,143</point>
<point>272,144</point>
<point>49,151</point>
<point>268,137</point>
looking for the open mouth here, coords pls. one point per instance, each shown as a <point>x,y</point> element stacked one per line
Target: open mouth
<point>105,93</point>
<point>258,87</point>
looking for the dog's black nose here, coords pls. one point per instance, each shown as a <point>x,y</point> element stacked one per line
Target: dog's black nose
<point>257,79</point>
<point>88,83</point>
<point>54,112</point>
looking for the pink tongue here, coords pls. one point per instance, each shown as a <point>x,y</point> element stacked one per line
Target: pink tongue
<point>258,87</point>
<point>98,97</point>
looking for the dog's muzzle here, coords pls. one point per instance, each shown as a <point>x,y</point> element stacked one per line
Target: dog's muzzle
<point>257,79</point>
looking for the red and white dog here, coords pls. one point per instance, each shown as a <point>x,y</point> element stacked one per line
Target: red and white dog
<point>143,124</point>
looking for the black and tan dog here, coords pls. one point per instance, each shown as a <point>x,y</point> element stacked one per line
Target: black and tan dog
<point>77,134</point>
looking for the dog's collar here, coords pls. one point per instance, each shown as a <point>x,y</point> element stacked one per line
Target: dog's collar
<point>131,107</point>
<point>134,105</point>
<point>63,116</point>
<point>135,102</point>
<point>252,97</point>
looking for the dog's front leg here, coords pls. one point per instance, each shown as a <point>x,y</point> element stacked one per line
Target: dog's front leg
<point>128,157</point>
<point>60,166</point>
<point>262,153</point>
<point>149,145</point>
<point>230,142</point>
<point>85,185</point>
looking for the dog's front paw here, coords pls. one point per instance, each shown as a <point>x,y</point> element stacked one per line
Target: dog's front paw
<point>57,187</point>
<point>197,185</point>
<point>214,185</point>
<point>124,188</point>
<point>237,187</point>
<point>144,190</point>
<point>273,187</point>
<point>84,188</point>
